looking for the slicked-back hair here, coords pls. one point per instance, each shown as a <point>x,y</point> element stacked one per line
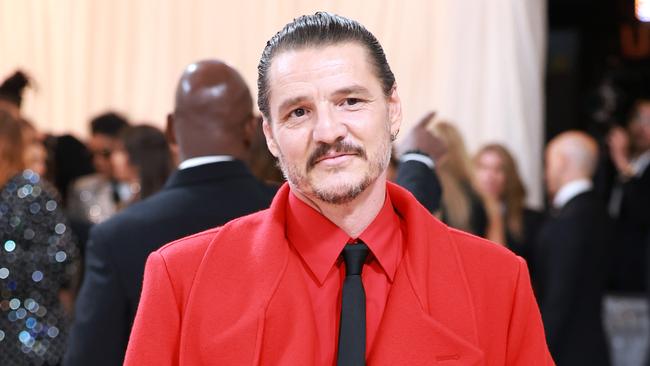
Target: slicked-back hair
<point>320,29</point>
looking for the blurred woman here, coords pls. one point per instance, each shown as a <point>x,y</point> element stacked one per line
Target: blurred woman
<point>37,259</point>
<point>35,154</point>
<point>497,178</point>
<point>143,160</point>
<point>462,207</point>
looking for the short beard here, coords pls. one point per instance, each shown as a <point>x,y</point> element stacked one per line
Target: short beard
<point>347,195</point>
<point>342,194</point>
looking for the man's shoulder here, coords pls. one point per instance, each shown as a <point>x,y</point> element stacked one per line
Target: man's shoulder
<point>196,246</point>
<point>187,248</point>
<point>483,256</point>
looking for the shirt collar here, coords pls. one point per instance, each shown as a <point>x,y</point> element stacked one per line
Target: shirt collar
<point>570,190</point>
<point>202,160</point>
<point>640,163</point>
<point>320,242</point>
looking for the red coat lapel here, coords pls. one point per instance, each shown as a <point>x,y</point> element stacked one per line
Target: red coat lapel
<point>232,289</point>
<point>429,316</point>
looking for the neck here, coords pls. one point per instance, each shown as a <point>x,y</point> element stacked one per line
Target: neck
<point>573,178</point>
<point>355,216</point>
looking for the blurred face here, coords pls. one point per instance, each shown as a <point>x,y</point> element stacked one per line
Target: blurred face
<point>36,158</point>
<point>121,168</point>
<point>490,174</point>
<point>34,155</point>
<point>330,122</point>
<point>102,146</point>
<point>640,129</point>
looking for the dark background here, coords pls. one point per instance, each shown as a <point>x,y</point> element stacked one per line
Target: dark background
<point>591,78</point>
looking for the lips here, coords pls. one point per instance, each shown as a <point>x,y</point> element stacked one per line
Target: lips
<point>333,152</point>
<point>333,156</point>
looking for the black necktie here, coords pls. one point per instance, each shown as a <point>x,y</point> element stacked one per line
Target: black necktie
<point>352,330</point>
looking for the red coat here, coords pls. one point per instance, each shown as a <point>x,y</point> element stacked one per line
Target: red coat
<point>235,296</point>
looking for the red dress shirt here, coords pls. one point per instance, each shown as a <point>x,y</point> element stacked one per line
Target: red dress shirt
<point>319,243</point>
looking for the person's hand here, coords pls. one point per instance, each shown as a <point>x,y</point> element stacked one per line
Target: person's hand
<point>419,138</point>
<point>619,144</point>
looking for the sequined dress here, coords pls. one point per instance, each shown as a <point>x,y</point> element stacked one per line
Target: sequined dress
<point>37,258</point>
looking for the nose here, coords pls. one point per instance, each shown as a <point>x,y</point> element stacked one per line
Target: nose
<point>328,129</point>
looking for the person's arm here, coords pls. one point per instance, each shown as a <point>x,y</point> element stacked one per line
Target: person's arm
<point>155,334</point>
<point>526,344</point>
<point>101,326</point>
<point>416,172</point>
<point>636,198</point>
<point>421,181</point>
<point>619,146</point>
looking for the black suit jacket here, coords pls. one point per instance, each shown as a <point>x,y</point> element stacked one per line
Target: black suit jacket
<point>192,200</point>
<point>422,182</point>
<point>569,279</point>
<point>632,229</point>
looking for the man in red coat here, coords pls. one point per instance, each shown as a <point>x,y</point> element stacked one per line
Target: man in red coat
<point>344,268</point>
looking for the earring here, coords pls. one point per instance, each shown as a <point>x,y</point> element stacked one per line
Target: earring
<point>393,136</point>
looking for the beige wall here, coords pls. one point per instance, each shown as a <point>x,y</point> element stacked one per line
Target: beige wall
<point>478,62</point>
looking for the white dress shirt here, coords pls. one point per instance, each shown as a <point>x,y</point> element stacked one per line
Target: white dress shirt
<point>202,160</point>
<point>570,190</point>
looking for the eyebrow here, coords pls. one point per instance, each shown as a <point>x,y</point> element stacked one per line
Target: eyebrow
<point>353,89</point>
<point>292,101</point>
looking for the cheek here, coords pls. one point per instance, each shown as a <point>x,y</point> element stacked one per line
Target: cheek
<point>500,180</point>
<point>118,161</point>
<point>293,146</point>
<point>482,177</point>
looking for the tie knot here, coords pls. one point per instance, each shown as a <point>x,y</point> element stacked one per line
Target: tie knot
<point>354,255</point>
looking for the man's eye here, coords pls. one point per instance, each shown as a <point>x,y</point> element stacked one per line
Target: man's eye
<point>298,112</point>
<point>352,101</point>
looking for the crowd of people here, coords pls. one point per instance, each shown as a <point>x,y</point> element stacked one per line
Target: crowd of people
<point>78,219</point>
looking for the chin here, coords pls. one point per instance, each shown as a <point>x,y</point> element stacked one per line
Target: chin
<point>341,191</point>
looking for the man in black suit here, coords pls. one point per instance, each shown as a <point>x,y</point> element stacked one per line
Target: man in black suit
<point>630,200</point>
<point>568,268</point>
<point>212,124</point>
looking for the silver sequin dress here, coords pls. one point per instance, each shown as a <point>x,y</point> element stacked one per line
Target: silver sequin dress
<point>37,258</point>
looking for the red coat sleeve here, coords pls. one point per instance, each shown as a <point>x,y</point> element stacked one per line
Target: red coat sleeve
<point>526,340</point>
<point>155,334</point>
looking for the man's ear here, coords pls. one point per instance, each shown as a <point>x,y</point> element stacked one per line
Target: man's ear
<point>394,111</point>
<point>268,134</point>
<point>169,130</point>
<point>250,130</point>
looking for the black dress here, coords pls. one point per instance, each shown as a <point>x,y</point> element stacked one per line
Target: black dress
<point>37,256</point>
<point>532,221</point>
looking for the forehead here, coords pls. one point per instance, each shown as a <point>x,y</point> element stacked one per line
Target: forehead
<point>102,139</point>
<point>490,157</point>
<point>321,66</point>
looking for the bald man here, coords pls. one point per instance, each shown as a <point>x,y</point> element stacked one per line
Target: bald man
<point>568,266</point>
<point>212,125</point>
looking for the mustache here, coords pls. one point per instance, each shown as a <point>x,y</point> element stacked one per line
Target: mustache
<point>337,147</point>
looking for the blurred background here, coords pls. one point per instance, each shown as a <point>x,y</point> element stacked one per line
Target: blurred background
<point>503,76</point>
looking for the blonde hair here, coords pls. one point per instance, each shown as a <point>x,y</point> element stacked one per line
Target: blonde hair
<point>455,173</point>
<point>514,192</point>
<point>12,147</point>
